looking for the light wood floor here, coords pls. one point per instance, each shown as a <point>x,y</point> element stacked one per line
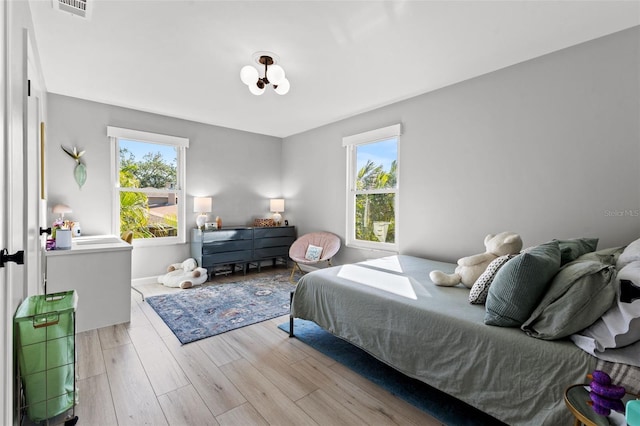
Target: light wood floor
<point>139,374</point>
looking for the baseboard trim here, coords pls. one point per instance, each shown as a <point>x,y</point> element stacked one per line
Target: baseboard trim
<point>145,280</point>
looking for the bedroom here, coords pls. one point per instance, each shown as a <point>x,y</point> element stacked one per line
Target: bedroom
<point>554,137</point>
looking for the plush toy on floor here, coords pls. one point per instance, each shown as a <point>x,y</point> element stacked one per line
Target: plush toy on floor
<point>471,267</point>
<point>184,275</point>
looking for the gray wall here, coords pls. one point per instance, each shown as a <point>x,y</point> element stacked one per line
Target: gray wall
<point>549,148</point>
<point>240,170</point>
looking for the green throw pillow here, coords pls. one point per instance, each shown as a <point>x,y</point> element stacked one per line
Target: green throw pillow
<point>579,294</point>
<point>572,249</point>
<point>608,256</point>
<point>520,284</point>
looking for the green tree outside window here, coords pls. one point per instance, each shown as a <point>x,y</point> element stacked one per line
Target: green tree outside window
<point>153,171</point>
<point>375,212</point>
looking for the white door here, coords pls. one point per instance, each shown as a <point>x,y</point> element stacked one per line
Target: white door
<point>19,188</point>
<point>13,285</point>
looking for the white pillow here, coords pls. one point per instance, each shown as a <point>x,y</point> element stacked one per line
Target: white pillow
<point>480,289</point>
<point>630,254</point>
<point>313,252</point>
<point>620,325</point>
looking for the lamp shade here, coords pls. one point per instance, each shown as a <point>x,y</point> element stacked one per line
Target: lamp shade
<point>61,209</point>
<point>276,205</point>
<point>202,204</point>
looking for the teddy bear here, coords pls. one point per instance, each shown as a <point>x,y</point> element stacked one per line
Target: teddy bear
<point>471,267</point>
<point>183,275</point>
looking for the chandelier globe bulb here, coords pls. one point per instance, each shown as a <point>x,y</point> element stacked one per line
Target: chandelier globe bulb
<point>283,87</point>
<point>248,75</point>
<point>275,74</point>
<point>253,88</point>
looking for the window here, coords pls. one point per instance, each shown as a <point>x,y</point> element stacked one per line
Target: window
<point>148,181</point>
<point>372,188</point>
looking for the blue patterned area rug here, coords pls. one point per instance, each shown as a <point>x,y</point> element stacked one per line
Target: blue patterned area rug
<point>445,408</point>
<point>202,312</point>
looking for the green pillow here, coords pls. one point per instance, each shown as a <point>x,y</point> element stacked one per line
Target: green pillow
<point>520,284</point>
<point>609,255</point>
<point>572,249</point>
<point>579,294</point>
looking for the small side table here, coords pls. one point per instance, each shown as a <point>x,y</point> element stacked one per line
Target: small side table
<point>576,397</point>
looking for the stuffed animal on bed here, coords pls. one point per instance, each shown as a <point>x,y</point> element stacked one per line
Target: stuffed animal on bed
<point>184,275</point>
<point>604,395</point>
<point>471,267</point>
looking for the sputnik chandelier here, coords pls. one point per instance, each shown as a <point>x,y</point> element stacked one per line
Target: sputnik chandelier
<point>273,74</point>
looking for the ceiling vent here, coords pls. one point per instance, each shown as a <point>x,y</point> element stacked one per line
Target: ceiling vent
<point>81,8</point>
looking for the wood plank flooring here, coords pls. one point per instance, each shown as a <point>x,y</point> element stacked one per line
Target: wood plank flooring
<point>139,374</point>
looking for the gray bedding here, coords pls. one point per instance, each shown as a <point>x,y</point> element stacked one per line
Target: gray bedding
<point>390,308</point>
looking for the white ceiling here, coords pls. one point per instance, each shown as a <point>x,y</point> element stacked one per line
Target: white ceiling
<point>183,58</point>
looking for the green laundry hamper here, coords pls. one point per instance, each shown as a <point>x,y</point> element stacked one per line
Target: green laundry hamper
<point>45,341</point>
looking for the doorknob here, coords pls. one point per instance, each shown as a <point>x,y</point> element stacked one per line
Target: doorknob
<point>17,257</point>
<point>45,231</point>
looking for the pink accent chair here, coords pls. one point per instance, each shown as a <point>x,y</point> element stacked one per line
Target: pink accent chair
<point>329,242</point>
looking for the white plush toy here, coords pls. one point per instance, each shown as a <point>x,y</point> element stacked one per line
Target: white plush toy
<point>184,275</point>
<point>471,267</point>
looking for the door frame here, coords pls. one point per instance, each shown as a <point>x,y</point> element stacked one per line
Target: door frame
<point>6,360</point>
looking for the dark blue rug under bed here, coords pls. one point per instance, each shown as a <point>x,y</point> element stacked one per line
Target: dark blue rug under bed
<point>440,405</point>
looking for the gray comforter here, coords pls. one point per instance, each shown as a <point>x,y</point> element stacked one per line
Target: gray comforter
<point>391,309</point>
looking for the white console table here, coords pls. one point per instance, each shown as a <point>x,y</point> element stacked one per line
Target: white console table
<point>98,268</point>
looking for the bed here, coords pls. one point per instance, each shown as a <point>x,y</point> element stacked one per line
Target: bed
<point>391,309</point>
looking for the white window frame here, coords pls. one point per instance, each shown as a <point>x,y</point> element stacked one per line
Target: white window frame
<point>116,133</point>
<point>351,143</point>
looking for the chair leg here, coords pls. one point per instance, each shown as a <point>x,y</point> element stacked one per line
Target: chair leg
<point>293,270</point>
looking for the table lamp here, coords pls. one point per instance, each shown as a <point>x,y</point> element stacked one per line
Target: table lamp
<point>61,209</point>
<point>202,205</point>
<point>276,205</point>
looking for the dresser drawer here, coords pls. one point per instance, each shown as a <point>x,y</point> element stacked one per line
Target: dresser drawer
<point>270,252</point>
<point>224,246</point>
<point>227,235</point>
<point>271,232</point>
<point>273,242</point>
<point>227,257</point>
